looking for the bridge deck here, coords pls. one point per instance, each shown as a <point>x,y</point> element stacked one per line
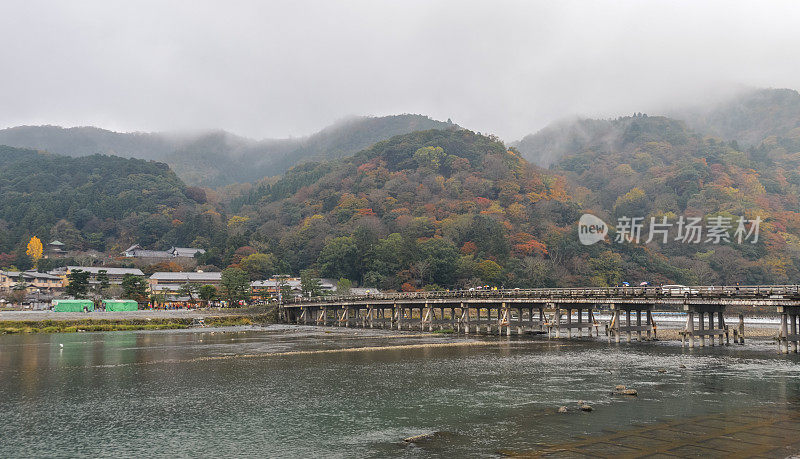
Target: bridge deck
<point>773,295</point>
<point>523,311</point>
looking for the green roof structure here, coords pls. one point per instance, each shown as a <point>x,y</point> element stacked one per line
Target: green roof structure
<point>72,305</point>
<point>120,305</point>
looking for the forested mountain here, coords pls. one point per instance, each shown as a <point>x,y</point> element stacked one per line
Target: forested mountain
<point>659,168</point>
<point>453,208</point>
<point>217,157</point>
<point>438,207</point>
<point>95,202</point>
<point>443,208</point>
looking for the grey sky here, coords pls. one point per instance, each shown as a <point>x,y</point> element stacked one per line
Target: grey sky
<point>282,68</point>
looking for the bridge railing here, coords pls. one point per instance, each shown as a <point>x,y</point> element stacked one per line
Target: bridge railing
<point>600,293</point>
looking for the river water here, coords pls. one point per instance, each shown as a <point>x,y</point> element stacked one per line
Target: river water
<point>291,391</point>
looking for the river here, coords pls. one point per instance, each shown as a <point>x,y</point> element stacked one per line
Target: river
<point>293,391</point>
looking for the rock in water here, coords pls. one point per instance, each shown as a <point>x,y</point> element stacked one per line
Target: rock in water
<point>662,370</point>
<point>622,390</point>
<point>563,409</point>
<point>424,438</point>
<point>419,438</point>
<point>586,408</point>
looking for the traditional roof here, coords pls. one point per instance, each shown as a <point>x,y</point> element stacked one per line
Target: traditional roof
<point>272,283</point>
<point>141,253</point>
<point>294,283</point>
<point>187,277</point>
<point>56,243</point>
<point>185,251</point>
<point>31,274</point>
<point>166,288</point>
<point>136,251</point>
<point>109,271</point>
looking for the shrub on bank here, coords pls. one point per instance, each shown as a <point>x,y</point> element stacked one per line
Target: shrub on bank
<point>91,325</point>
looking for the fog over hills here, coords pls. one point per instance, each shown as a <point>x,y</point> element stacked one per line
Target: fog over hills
<point>214,158</point>
<point>749,118</point>
<point>763,119</point>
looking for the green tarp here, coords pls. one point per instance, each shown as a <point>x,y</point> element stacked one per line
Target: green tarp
<point>120,305</point>
<point>73,305</point>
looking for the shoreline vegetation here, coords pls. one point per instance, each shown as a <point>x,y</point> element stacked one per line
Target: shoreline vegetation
<point>96,325</point>
<point>669,333</point>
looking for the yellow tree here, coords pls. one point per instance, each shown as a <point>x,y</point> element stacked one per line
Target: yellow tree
<point>35,250</point>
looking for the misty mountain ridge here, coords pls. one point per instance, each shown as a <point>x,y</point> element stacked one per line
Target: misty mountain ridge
<point>575,136</point>
<point>763,119</point>
<point>750,118</point>
<point>216,158</point>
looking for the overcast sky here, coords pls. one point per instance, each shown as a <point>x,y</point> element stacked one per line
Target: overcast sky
<point>288,68</point>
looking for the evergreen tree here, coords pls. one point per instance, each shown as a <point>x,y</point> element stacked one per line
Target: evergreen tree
<point>78,283</point>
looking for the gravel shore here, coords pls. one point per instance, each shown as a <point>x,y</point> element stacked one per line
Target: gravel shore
<point>666,334</point>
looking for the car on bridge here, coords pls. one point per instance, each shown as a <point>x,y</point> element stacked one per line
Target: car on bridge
<point>678,290</point>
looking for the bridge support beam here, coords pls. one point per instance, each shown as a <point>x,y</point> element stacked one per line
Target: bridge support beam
<point>463,323</point>
<point>712,332</point>
<point>788,336</point>
<point>618,326</point>
<point>322,316</point>
<point>565,311</point>
<point>399,316</point>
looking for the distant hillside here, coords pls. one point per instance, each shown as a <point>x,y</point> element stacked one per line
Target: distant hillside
<point>85,141</point>
<point>219,158</point>
<point>94,202</point>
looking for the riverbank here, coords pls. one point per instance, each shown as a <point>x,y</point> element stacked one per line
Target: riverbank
<point>49,322</point>
<point>65,322</point>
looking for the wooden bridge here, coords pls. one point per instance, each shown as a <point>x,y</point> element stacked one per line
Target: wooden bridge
<point>555,311</point>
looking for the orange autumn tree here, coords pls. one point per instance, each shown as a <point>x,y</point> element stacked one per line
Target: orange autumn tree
<point>526,245</point>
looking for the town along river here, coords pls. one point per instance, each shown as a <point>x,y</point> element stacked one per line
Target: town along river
<point>285,391</point>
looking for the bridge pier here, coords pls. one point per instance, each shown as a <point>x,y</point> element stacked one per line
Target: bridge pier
<point>788,334</point>
<point>399,316</point>
<point>503,320</point>
<point>616,328</point>
<point>558,324</point>
<point>702,310</point>
<point>344,317</point>
<point>463,323</point>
